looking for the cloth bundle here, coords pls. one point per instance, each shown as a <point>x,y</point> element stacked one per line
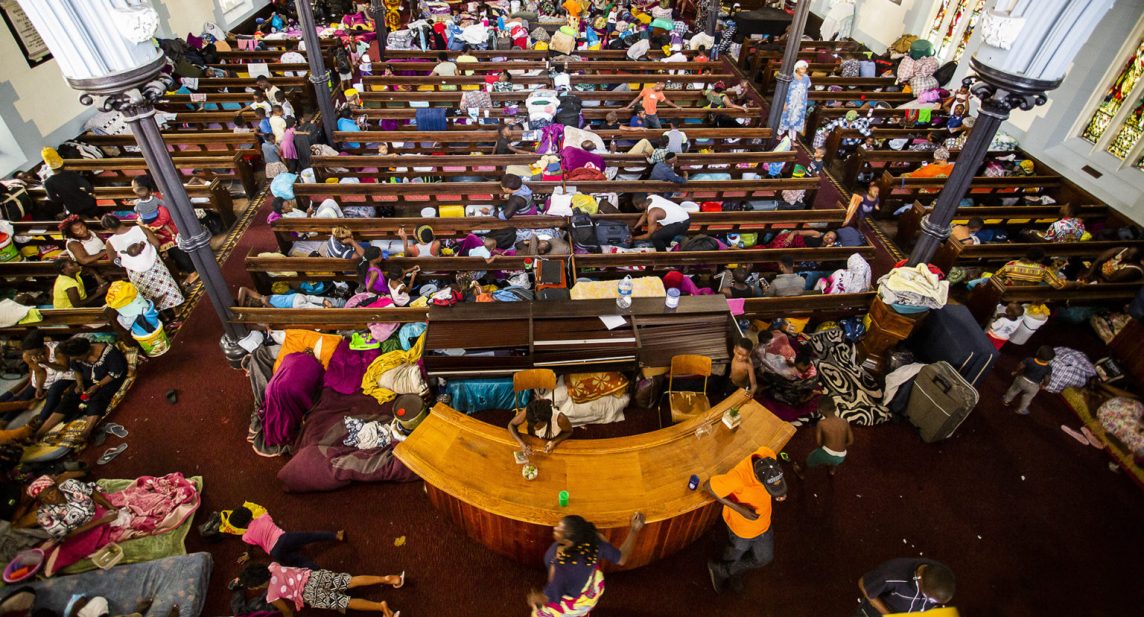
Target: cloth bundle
<point>916,286</point>
<point>367,435</point>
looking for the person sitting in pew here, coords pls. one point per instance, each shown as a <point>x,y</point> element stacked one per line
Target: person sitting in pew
<point>346,123</point>
<point>1069,228</point>
<point>968,233</point>
<point>513,185</point>
<point>538,420</point>
<point>939,168</point>
<point>342,245</point>
<point>68,291</point>
<point>738,283</point>
<point>249,297</point>
<point>260,102</point>
<point>48,375</point>
<point>1030,270</point>
<point>787,283</point>
<point>504,143</point>
<point>422,244</point>
<point>80,242</point>
<point>854,278</point>
<point>1117,265</point>
<point>664,220</point>
<point>721,121</point>
<point>398,286</point>
<point>665,170</point>
<point>269,91</point>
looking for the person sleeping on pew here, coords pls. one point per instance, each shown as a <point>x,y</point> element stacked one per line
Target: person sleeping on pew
<point>717,97</point>
<point>812,238</point>
<point>853,279</point>
<point>584,157</point>
<point>1117,265</point>
<point>968,233</point>
<point>664,220</point>
<point>84,246</point>
<point>249,297</point>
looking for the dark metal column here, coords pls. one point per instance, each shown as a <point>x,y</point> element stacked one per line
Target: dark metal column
<point>319,74</point>
<point>790,56</point>
<point>139,114</point>
<point>377,12</point>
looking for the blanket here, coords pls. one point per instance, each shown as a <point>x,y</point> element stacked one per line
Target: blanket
<point>587,387</point>
<point>601,410</point>
<point>323,462</point>
<point>178,580</point>
<point>857,395</point>
<point>289,395</point>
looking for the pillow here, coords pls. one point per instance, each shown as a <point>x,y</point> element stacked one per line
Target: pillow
<point>323,345</point>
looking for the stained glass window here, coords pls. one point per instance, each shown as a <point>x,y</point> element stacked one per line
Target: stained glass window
<point>1129,132</point>
<point>1120,89</point>
<point>952,26</point>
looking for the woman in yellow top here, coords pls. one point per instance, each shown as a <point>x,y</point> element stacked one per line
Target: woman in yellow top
<point>69,291</point>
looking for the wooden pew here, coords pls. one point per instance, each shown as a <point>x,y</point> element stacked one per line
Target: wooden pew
<point>412,196</point>
<point>984,298</point>
<point>515,54</point>
<point>683,118</point>
<point>817,305</point>
<point>330,319</point>
<point>233,166</point>
<point>39,275</point>
<point>897,191</point>
<point>821,97</point>
<point>885,160</point>
<point>952,253</point>
<point>881,118</point>
<point>57,321</point>
<point>456,81</point>
<point>300,87</point>
<point>910,223</point>
<point>112,198</point>
<point>591,66</point>
<point>468,141</point>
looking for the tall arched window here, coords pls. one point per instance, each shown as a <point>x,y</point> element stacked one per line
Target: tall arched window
<point>1118,121</point>
<point>951,27</point>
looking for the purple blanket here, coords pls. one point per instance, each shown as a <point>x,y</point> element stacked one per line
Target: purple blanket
<point>347,368</point>
<point>290,393</point>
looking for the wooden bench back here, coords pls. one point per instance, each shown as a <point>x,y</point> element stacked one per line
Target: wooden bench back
<point>984,298</point>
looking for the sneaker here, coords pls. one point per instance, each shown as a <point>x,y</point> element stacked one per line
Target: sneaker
<point>718,581</point>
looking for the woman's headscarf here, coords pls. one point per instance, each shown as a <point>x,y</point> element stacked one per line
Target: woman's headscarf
<point>65,225</point>
<point>854,279</point>
<point>423,234</point>
<point>40,485</point>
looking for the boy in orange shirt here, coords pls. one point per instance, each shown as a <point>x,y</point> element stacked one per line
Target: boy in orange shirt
<point>746,492</point>
<point>651,97</point>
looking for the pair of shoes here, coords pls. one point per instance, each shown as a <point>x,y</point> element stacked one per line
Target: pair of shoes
<point>718,579</point>
<point>110,454</point>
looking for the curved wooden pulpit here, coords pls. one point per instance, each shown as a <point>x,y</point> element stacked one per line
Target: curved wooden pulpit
<point>470,475</point>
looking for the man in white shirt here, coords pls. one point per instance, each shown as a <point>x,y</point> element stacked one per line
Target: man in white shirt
<point>665,220</point>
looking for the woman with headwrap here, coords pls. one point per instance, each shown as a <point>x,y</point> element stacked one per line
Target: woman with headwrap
<point>854,278</point>
<point>793,119</point>
<point>422,244</point>
<point>575,581</point>
<point>939,168</point>
<point>69,190</point>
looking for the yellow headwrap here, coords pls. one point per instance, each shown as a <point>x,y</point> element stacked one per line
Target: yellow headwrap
<point>52,158</point>
<point>120,294</point>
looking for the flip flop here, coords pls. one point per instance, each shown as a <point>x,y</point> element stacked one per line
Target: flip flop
<point>115,429</point>
<point>110,454</point>
<point>401,583</point>
<point>1075,435</point>
<point>172,396</point>
<point>1092,440</point>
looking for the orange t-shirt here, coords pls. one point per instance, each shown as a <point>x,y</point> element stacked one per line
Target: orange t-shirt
<point>651,100</point>
<point>741,485</point>
<point>933,170</point>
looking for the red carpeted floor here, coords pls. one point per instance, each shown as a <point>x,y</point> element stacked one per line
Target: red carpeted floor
<point>1032,522</point>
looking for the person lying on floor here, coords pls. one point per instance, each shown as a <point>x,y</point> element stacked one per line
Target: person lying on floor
<point>293,589</point>
<point>249,297</point>
<point>258,529</point>
<point>100,369</point>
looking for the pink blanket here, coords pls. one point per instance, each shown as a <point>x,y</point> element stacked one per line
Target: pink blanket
<point>151,506</point>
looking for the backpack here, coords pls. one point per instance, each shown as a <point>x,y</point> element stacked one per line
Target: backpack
<point>584,231</point>
<point>613,233</point>
<point>14,203</point>
<point>700,243</point>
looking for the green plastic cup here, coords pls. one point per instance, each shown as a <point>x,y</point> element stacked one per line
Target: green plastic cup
<point>563,499</point>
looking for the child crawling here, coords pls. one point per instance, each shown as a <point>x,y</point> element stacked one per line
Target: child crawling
<point>293,589</point>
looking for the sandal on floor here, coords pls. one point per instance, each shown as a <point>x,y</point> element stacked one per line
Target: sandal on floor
<point>110,454</point>
<point>115,429</point>
<point>1075,435</point>
<point>401,583</point>
<point>1092,440</point>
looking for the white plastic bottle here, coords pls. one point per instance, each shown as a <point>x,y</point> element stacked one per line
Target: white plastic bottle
<point>624,299</point>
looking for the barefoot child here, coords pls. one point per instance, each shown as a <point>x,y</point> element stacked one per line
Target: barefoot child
<point>292,589</point>
<point>833,436</point>
<point>742,374</point>
<point>1031,375</point>
<point>257,528</point>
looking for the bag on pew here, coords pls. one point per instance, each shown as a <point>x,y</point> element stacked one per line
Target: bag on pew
<point>850,68</point>
<point>15,203</point>
<point>613,233</point>
<point>584,233</point>
<point>551,280</point>
<point>700,243</point>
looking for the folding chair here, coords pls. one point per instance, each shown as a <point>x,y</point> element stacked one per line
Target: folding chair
<point>532,379</point>
<point>687,404</point>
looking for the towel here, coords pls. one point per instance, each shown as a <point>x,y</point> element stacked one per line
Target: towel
<point>431,119</point>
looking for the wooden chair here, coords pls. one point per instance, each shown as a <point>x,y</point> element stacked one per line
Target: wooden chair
<point>533,379</point>
<point>686,404</point>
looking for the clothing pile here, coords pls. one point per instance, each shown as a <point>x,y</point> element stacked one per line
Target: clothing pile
<point>1071,369</point>
<point>917,286</point>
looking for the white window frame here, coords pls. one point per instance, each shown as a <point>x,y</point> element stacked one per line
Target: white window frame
<point>1132,100</point>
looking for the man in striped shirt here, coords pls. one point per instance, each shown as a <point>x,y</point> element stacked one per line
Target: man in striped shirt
<point>905,586</point>
<point>1030,270</point>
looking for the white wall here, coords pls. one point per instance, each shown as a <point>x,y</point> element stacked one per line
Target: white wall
<point>37,107</point>
<point>878,23</point>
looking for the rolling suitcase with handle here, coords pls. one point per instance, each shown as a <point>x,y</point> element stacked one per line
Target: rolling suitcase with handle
<point>940,401</point>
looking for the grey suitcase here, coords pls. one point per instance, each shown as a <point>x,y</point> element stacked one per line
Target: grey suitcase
<point>940,401</point>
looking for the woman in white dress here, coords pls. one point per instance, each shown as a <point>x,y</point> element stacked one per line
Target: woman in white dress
<point>136,250</point>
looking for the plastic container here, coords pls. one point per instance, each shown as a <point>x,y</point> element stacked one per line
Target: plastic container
<point>672,299</point>
<point>8,249</point>
<point>563,499</point>
<point>624,289</point>
<point>154,344</point>
<point>24,565</point>
<point>1029,324</point>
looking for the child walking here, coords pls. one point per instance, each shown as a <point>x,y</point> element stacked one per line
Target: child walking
<point>257,528</point>
<point>1031,375</point>
<point>1004,325</point>
<point>833,436</point>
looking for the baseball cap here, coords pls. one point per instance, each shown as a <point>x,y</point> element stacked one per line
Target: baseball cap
<point>770,473</point>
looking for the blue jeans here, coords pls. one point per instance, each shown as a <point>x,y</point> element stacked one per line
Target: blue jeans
<point>651,121</point>
<point>744,554</point>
